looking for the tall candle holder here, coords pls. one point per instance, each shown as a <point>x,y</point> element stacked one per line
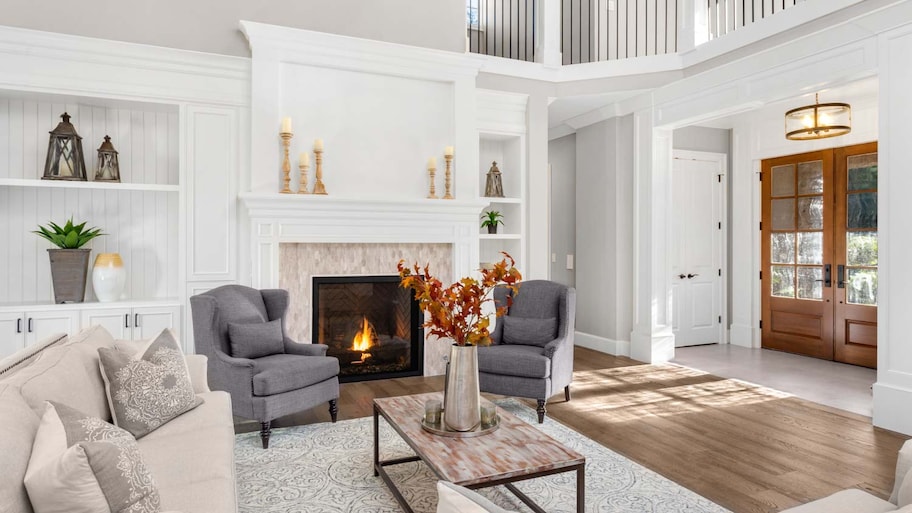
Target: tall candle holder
<point>302,187</point>
<point>449,177</point>
<point>319,188</point>
<point>432,172</point>
<point>286,164</point>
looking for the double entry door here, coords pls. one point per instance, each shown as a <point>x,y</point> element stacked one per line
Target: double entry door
<point>819,254</point>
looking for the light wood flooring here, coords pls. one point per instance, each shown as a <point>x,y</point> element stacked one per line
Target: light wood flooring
<point>746,448</point>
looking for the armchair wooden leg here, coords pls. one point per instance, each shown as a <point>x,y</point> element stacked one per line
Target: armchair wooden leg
<point>265,432</point>
<point>333,409</point>
<point>541,411</point>
<point>567,393</point>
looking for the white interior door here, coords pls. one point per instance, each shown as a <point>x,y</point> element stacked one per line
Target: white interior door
<point>698,192</point>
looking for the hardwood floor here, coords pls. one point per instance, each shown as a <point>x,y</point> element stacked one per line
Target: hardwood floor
<point>746,448</point>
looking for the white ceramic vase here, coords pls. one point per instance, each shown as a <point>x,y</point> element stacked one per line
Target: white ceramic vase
<point>108,277</point>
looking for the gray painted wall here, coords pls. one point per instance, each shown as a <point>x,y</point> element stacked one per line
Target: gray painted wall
<point>212,25</point>
<point>715,140</point>
<point>562,157</point>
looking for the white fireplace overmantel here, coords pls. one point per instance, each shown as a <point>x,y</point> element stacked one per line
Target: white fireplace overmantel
<point>290,218</point>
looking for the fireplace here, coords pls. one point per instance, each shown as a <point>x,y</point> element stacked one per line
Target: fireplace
<point>371,324</point>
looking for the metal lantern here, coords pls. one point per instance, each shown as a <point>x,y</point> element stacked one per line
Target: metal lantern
<point>65,160</point>
<point>818,121</point>
<point>494,183</point>
<point>107,169</point>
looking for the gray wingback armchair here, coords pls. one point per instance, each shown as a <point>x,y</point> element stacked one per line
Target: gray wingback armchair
<point>532,351</point>
<point>296,378</point>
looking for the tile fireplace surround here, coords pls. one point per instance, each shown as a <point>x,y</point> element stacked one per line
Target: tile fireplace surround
<point>296,237</point>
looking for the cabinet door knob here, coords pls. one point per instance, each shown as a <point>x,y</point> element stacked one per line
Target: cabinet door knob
<point>19,325</point>
<point>30,324</point>
<point>126,320</point>
<point>135,320</point>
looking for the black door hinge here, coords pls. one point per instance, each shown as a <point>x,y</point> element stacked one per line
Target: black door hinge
<point>761,176</point>
<point>761,226</point>
<point>720,319</point>
<point>761,275</point>
<point>720,272</point>
<point>761,324</point>
<point>719,177</point>
<point>720,225</point>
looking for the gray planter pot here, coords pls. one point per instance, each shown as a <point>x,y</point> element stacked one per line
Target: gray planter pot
<point>69,269</point>
<point>492,229</point>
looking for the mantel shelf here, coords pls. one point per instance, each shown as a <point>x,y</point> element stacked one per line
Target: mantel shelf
<point>500,236</point>
<point>502,200</point>
<point>66,184</point>
<point>270,204</point>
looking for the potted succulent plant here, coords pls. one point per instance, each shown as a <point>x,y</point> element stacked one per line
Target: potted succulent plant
<point>491,219</point>
<point>69,262</point>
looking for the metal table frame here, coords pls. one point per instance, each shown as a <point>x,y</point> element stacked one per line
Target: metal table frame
<point>379,470</point>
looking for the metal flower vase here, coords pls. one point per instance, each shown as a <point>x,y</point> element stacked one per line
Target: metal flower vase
<point>461,394</point>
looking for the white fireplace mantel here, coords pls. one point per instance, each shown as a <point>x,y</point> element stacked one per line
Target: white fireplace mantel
<point>289,218</point>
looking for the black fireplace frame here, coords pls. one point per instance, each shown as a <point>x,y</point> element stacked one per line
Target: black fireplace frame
<point>417,339</point>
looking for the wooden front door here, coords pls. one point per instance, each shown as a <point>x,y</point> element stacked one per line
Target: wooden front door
<point>819,254</point>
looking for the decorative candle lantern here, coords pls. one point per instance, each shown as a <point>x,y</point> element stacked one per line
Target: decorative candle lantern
<point>65,159</point>
<point>107,168</point>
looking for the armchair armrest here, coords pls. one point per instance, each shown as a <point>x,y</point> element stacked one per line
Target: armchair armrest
<point>292,347</point>
<point>196,365</point>
<point>551,347</point>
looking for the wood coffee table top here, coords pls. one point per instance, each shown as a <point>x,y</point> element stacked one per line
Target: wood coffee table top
<point>515,449</point>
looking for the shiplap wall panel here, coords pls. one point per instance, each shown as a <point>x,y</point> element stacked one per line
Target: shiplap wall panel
<point>146,140</point>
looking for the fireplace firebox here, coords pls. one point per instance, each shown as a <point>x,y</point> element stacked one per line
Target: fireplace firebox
<point>371,324</point>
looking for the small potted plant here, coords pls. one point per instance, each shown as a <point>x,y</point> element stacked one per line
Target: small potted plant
<point>69,262</point>
<point>491,219</point>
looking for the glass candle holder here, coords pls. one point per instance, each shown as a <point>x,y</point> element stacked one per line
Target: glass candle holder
<point>432,412</point>
<point>488,415</point>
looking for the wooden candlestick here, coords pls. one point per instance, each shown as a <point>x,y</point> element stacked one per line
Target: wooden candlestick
<point>449,177</point>
<point>432,171</point>
<point>286,164</point>
<point>319,188</point>
<point>302,187</point>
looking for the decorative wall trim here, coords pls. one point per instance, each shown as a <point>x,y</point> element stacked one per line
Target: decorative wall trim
<point>602,344</point>
<point>501,112</point>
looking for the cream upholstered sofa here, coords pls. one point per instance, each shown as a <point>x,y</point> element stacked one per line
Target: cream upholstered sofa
<point>191,458</point>
<point>858,501</point>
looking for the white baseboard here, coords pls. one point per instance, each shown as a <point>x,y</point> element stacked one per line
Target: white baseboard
<point>602,344</point>
<point>742,335</point>
<point>891,409</point>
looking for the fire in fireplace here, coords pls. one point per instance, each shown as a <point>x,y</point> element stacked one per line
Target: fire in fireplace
<point>371,324</point>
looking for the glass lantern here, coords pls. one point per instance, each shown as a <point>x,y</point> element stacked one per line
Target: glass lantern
<point>65,160</point>
<point>107,168</point>
<point>818,121</point>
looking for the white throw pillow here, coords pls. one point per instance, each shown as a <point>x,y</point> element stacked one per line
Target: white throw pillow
<point>82,464</point>
<point>458,499</point>
<point>149,388</point>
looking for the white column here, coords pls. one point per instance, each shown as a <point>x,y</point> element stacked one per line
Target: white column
<point>652,340</point>
<point>538,265</point>
<point>693,24</point>
<point>465,174</point>
<point>745,238</point>
<point>550,47</point>
<point>893,389</point>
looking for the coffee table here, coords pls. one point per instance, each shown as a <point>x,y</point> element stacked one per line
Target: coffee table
<point>515,452</point>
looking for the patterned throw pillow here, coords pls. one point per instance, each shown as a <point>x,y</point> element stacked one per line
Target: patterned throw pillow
<point>82,464</point>
<point>147,389</point>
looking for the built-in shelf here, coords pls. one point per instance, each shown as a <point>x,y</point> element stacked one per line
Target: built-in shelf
<point>500,236</point>
<point>41,306</point>
<point>70,184</point>
<point>503,200</point>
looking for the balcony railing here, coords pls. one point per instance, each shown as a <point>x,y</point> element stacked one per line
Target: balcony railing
<point>724,16</point>
<point>503,28</point>
<point>603,30</point>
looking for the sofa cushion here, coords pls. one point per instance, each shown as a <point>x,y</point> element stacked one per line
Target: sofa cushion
<point>529,331</point>
<point>192,458</point>
<point>16,439</point>
<point>904,494</point>
<point>67,374</point>
<point>284,372</point>
<point>514,360</point>
<point>903,465</point>
<point>149,388</point>
<point>846,501</point>
<point>82,464</point>
<point>458,499</point>
<point>253,340</point>
<point>24,356</point>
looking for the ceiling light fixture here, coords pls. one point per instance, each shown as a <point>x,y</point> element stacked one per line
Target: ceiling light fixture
<point>818,121</point>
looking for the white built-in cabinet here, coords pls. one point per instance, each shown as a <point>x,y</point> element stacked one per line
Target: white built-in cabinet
<point>134,323</point>
<point>20,328</point>
<point>502,135</point>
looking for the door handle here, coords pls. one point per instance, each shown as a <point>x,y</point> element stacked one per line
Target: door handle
<point>827,278</point>
<point>126,320</point>
<point>691,276</point>
<point>682,276</point>
<point>840,276</point>
<point>30,325</point>
<point>19,325</point>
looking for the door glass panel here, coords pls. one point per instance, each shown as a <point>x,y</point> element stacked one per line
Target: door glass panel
<point>783,281</point>
<point>862,172</point>
<point>782,248</point>
<point>810,177</point>
<point>783,214</point>
<point>810,285</point>
<point>810,213</point>
<point>861,210</point>
<point>861,248</point>
<point>861,286</point>
<point>783,181</point>
<point>810,248</point>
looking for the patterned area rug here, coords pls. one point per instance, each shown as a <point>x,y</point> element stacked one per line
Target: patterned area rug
<point>327,468</point>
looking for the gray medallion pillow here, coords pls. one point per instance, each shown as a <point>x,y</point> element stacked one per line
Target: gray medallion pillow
<point>529,331</point>
<point>82,464</point>
<point>149,388</point>
<point>257,339</point>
